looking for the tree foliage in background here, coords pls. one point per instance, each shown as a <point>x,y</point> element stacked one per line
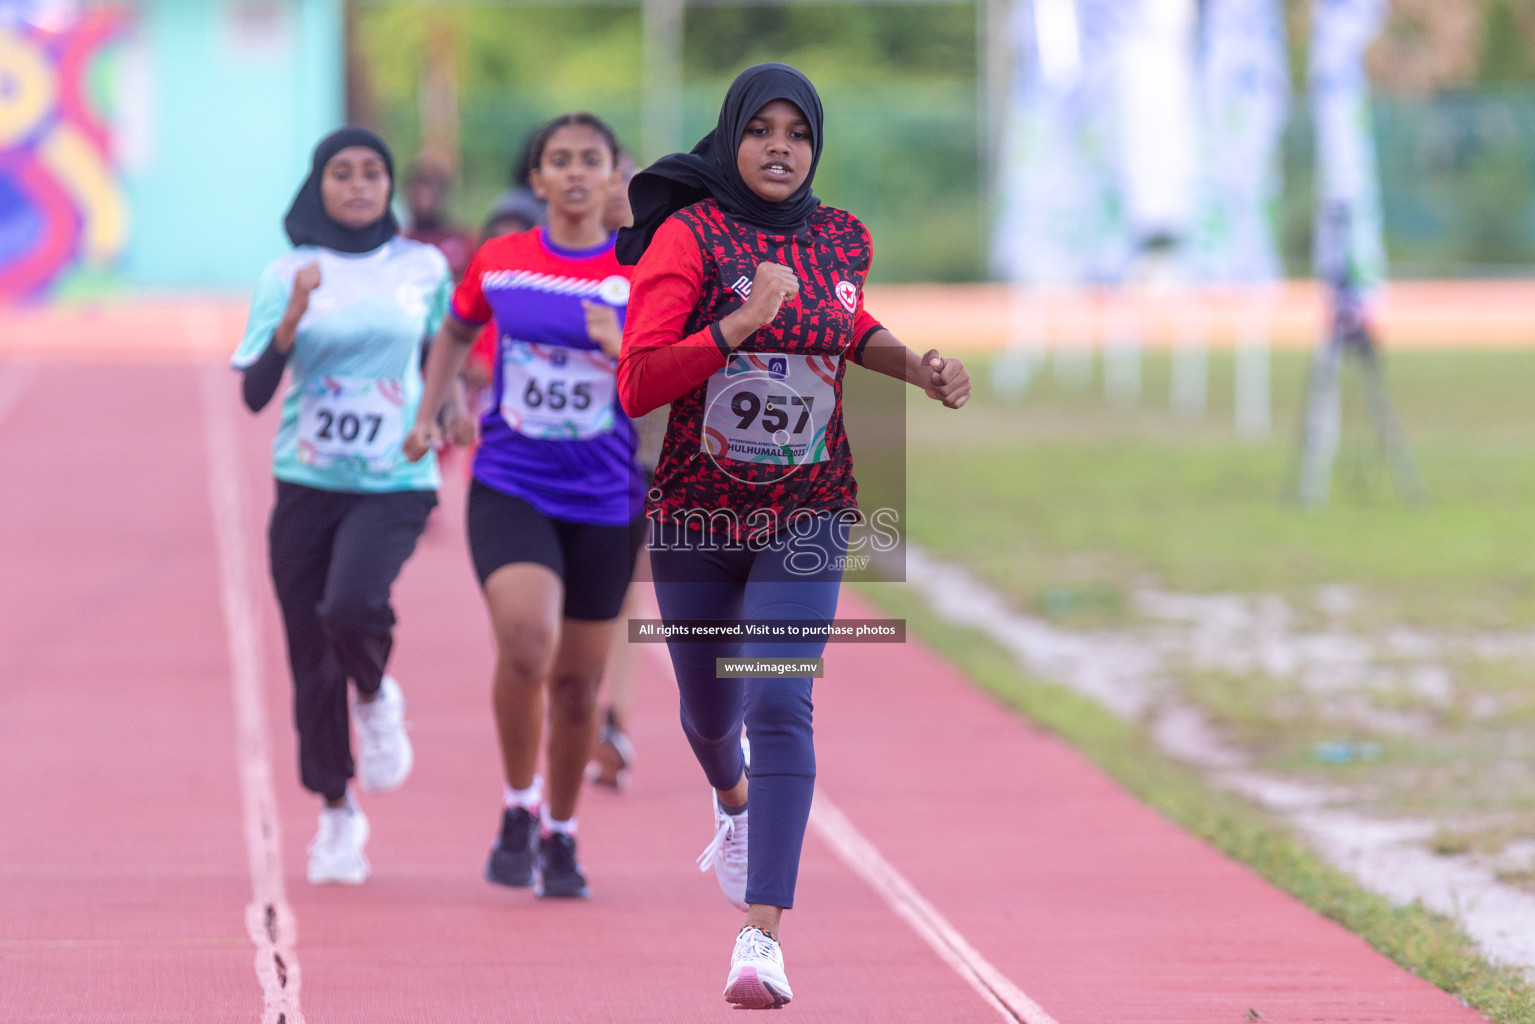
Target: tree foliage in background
<point>1455,112</point>
<point>843,43</point>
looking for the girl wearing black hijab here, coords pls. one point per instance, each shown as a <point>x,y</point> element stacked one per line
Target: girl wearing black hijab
<point>348,310</point>
<point>747,303</point>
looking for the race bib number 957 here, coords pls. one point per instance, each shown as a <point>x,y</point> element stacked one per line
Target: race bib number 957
<point>355,420</point>
<point>771,408</point>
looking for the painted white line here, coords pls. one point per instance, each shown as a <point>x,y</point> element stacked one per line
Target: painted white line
<point>15,378</point>
<point>268,920</point>
<point>864,860</point>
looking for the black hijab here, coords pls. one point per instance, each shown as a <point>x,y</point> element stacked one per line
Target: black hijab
<point>682,179</point>
<point>307,222</point>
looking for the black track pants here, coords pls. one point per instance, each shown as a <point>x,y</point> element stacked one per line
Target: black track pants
<point>335,557</point>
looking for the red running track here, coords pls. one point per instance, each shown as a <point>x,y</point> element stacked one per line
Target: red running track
<point>126,865</point>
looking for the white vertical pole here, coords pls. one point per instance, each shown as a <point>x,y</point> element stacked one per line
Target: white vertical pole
<point>1073,348</point>
<point>1191,352</point>
<point>1122,343</point>
<point>994,70</point>
<point>1027,341</point>
<point>1253,311</point>
<point>661,92</point>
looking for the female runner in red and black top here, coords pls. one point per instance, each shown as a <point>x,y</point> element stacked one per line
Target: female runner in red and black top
<point>747,303</point>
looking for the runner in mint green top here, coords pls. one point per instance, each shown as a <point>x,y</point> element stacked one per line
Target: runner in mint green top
<point>349,312</point>
<point>355,364</point>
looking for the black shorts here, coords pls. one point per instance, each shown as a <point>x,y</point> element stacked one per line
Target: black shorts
<point>594,561</point>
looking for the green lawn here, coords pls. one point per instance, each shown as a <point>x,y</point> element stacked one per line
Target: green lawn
<point>1063,491</point>
<point>1069,506</point>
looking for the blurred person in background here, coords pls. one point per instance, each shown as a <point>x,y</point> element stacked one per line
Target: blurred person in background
<point>516,211</point>
<point>556,494</point>
<point>520,202</point>
<point>747,287</point>
<point>613,757</point>
<point>349,509</point>
<point>427,186</point>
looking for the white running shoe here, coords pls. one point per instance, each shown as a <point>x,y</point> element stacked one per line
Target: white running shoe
<point>757,980</point>
<point>384,755</point>
<point>335,853</point>
<point>726,852</point>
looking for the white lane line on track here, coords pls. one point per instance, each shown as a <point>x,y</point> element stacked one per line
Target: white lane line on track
<point>864,860</point>
<point>268,919</point>
<point>15,378</point>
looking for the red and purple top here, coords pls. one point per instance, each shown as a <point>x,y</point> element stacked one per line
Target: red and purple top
<point>698,268</point>
<point>555,434</point>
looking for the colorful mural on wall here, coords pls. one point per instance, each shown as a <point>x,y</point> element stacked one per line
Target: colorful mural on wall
<point>62,203</point>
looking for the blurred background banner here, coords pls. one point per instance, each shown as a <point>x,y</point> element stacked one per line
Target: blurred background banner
<point>1348,241</point>
<point>1245,97</point>
<point>153,144</point>
<point>62,200</point>
<point>1060,217</point>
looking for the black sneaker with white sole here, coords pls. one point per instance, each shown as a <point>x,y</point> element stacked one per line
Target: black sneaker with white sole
<point>514,858</point>
<point>560,872</point>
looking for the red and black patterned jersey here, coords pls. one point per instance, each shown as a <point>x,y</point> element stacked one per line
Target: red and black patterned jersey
<point>698,268</point>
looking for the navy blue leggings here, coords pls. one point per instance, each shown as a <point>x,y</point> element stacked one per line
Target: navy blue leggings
<point>748,585</point>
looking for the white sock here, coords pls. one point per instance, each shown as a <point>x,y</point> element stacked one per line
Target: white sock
<point>528,799</point>
<point>551,826</point>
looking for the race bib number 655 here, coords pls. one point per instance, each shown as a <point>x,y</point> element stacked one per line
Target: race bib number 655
<point>357,420</point>
<point>554,392</point>
<point>771,408</point>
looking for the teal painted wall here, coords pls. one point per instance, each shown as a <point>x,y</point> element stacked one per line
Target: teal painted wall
<point>232,96</point>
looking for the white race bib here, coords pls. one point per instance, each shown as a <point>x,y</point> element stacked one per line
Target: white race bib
<point>358,420</point>
<point>771,408</point>
<point>554,392</point>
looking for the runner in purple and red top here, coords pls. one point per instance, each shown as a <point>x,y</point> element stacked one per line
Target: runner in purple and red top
<point>555,434</point>
<point>555,500</point>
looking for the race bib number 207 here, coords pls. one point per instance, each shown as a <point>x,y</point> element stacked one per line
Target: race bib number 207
<point>356,420</point>
<point>771,408</point>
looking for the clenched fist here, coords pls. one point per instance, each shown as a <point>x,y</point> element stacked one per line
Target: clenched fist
<point>772,286</point>
<point>424,438</point>
<point>603,328</point>
<point>945,380</point>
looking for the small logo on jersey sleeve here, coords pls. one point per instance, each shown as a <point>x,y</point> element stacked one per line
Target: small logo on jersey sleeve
<point>847,294</point>
<point>614,290</point>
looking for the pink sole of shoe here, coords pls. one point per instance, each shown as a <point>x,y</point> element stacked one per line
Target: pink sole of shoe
<point>750,993</point>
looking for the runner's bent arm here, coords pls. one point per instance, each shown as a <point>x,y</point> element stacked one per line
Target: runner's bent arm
<point>657,364</point>
<point>261,377</point>
<point>945,380</point>
<point>445,358</point>
<point>875,348</point>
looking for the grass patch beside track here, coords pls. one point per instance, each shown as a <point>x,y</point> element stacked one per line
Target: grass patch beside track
<point>1063,490</point>
<point>1073,507</point>
<point>1426,943</point>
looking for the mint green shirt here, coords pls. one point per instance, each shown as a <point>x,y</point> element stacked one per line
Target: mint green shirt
<point>355,368</point>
